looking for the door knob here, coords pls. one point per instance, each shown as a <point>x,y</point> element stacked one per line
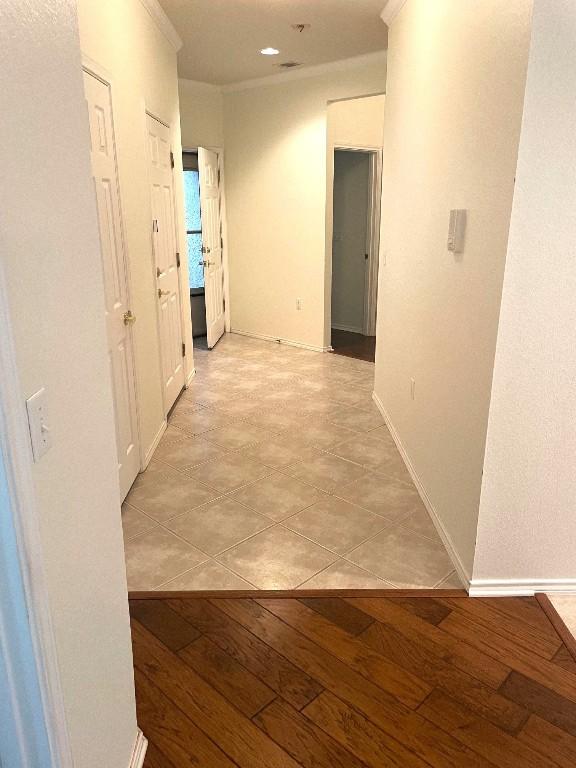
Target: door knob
<point>205,263</point>
<point>162,293</point>
<point>129,318</point>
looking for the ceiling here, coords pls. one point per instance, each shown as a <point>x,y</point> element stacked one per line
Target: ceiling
<point>222,38</point>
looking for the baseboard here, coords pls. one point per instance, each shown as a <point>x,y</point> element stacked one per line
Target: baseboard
<point>520,587</point>
<point>349,328</point>
<point>190,377</point>
<point>139,751</point>
<point>438,524</point>
<point>291,594</point>
<point>154,445</point>
<point>278,340</point>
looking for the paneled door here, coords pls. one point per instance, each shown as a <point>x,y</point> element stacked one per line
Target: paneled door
<point>119,317</point>
<point>166,260</point>
<point>211,244</point>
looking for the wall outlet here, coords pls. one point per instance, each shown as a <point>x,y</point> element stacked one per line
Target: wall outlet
<point>412,389</point>
<point>37,422</point>
<point>298,303</point>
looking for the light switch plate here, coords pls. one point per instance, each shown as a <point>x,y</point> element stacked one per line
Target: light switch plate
<point>38,424</point>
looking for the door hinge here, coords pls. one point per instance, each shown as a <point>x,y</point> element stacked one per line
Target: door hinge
<point>177,259</point>
<point>366,256</point>
<point>183,349</point>
<point>221,244</point>
<point>171,159</point>
<point>154,225</point>
<point>218,175</point>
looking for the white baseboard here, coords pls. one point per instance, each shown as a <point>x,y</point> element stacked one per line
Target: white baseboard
<point>520,587</point>
<point>278,340</point>
<point>154,445</point>
<point>139,751</point>
<point>350,328</point>
<point>190,377</point>
<point>442,532</point>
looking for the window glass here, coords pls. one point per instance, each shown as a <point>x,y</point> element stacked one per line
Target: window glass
<point>194,259</point>
<point>192,200</point>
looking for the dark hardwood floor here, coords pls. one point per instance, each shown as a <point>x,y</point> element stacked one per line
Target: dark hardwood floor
<point>348,683</point>
<point>354,345</point>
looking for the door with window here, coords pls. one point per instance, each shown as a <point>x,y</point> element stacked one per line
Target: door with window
<point>166,260</point>
<point>211,244</point>
<point>194,242</point>
<point>119,317</point>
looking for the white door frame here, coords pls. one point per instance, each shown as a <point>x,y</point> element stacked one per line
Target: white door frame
<point>178,217</point>
<point>17,461</point>
<point>97,70</point>
<point>224,224</point>
<point>372,234</point>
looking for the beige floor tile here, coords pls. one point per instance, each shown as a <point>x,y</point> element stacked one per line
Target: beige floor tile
<point>207,576</point>
<point>356,419</point>
<point>164,496</point>
<point>276,453</point>
<point>368,451</point>
<point>382,433</point>
<point>187,453</point>
<point>172,435</point>
<point>156,557</point>
<point>272,421</point>
<point>135,522</point>
<point>336,524</point>
<point>382,495</point>
<point>198,422</point>
<point>322,434</point>
<point>325,471</point>
<point>450,582</point>
<point>318,407</point>
<point>566,607</point>
<point>240,408</point>
<point>393,466</point>
<point>218,525</point>
<point>278,496</point>
<point>345,575</point>
<point>276,559</point>
<point>236,435</point>
<point>420,522</point>
<point>230,472</point>
<point>404,558</point>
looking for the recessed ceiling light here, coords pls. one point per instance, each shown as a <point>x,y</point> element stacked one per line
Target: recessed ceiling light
<point>269,51</point>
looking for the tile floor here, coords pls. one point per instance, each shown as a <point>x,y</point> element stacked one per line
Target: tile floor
<point>277,472</point>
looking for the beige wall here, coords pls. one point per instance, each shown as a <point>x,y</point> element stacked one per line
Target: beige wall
<point>456,78</point>
<point>201,114</point>
<point>355,123</point>
<point>123,39</point>
<point>51,257</point>
<point>276,142</point>
<point>527,527</point>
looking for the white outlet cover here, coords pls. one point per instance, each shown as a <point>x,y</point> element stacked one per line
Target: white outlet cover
<point>38,424</point>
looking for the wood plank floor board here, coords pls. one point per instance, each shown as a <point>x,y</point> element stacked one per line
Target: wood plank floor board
<point>480,735</point>
<point>405,686</point>
<point>303,739</point>
<point>242,689</point>
<point>244,743</point>
<point>273,669</point>
<point>340,681</point>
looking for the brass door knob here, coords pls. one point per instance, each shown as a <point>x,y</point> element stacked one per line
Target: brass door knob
<point>129,318</point>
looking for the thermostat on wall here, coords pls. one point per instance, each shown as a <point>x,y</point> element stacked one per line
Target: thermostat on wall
<point>456,230</point>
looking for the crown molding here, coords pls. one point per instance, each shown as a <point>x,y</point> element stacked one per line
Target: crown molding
<point>201,85</point>
<point>392,9</point>
<point>163,23</point>
<point>314,70</point>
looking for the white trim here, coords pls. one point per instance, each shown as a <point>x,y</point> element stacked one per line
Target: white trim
<point>139,751</point>
<point>163,23</point>
<point>190,377</point>
<point>201,85</point>
<point>392,9</point>
<point>278,340</point>
<point>15,443</point>
<point>350,328</point>
<point>438,524</point>
<point>314,70</point>
<point>154,444</point>
<point>520,587</point>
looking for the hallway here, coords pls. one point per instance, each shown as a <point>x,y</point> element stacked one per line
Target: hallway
<point>277,472</point>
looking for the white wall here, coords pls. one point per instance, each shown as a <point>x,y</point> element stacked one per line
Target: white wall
<point>351,178</point>
<point>51,257</point>
<point>456,78</point>
<point>275,136</point>
<point>122,37</point>
<point>527,526</point>
<point>201,114</point>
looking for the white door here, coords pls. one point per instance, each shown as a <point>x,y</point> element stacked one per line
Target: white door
<point>211,244</point>
<point>167,261</point>
<point>119,318</point>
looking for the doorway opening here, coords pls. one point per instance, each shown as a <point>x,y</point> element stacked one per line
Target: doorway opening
<point>355,239</point>
<point>205,244</point>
